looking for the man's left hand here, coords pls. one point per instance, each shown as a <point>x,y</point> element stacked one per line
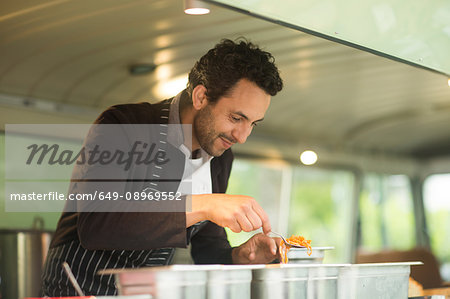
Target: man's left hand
<point>259,249</point>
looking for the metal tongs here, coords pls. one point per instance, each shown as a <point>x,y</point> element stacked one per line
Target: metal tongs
<point>286,242</point>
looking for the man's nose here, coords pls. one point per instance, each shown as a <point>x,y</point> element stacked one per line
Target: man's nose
<point>241,133</point>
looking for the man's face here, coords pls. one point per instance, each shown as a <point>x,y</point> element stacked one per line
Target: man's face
<point>231,119</point>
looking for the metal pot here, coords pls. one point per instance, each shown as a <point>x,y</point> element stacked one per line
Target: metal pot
<point>22,256</point>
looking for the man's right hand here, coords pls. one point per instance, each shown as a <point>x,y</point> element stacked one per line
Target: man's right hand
<point>237,212</point>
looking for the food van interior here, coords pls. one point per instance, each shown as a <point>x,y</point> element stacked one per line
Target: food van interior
<point>364,111</point>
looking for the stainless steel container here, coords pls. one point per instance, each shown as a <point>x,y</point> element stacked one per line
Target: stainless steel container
<point>279,281</point>
<point>296,281</point>
<point>300,255</point>
<point>181,282</point>
<point>178,281</point>
<point>22,256</point>
<point>288,281</point>
<point>230,281</point>
<point>377,280</point>
<point>187,281</point>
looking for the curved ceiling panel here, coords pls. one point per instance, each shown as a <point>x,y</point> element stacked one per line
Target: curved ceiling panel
<point>78,54</point>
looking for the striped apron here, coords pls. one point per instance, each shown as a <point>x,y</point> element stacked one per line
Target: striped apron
<point>86,263</point>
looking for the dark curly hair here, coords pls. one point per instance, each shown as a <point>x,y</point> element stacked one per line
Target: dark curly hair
<point>228,62</point>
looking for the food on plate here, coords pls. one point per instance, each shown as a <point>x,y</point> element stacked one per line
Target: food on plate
<point>294,240</point>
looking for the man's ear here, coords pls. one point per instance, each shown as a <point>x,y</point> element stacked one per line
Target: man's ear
<point>199,99</point>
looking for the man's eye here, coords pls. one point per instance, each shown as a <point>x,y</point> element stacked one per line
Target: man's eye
<point>254,125</point>
<point>236,119</point>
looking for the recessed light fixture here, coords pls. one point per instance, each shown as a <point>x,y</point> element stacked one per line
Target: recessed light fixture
<point>308,157</point>
<point>195,7</point>
<point>141,68</point>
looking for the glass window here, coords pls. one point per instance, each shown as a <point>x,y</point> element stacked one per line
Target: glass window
<point>16,220</point>
<point>320,209</point>
<point>261,180</point>
<point>386,213</point>
<point>306,201</point>
<point>437,212</point>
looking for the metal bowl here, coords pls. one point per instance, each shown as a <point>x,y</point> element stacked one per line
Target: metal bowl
<point>300,255</point>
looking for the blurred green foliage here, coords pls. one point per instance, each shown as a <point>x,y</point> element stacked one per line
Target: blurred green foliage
<point>386,213</point>
<point>260,180</point>
<point>319,203</point>
<point>439,227</point>
<point>22,220</point>
<point>437,212</point>
<point>319,209</point>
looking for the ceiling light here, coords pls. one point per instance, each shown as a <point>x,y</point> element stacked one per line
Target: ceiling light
<point>195,7</point>
<point>308,157</point>
<point>448,82</point>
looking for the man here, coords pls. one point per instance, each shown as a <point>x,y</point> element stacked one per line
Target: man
<point>228,93</point>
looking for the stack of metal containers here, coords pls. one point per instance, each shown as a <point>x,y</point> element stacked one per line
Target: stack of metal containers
<point>331,281</point>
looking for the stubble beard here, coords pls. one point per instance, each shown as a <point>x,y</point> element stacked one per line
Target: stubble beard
<point>205,132</point>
